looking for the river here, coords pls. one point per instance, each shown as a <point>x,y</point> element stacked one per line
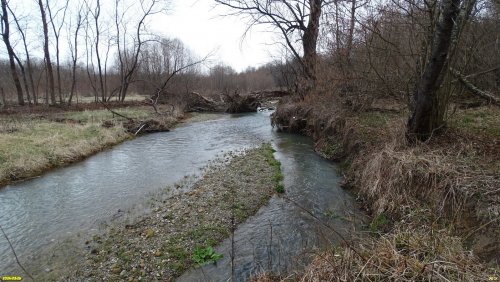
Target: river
<point>38,213</point>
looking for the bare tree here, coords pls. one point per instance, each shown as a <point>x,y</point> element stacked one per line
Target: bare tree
<point>57,34</point>
<point>129,58</point>
<point>48,62</point>
<point>80,18</point>
<point>424,120</point>
<point>96,13</point>
<point>10,51</point>
<point>295,20</point>
<point>28,58</point>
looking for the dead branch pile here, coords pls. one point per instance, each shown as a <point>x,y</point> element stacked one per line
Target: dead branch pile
<point>237,103</point>
<point>188,102</point>
<point>151,125</point>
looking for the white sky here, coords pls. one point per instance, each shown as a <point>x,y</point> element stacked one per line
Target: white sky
<point>199,25</point>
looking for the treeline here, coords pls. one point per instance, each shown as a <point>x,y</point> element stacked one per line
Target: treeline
<point>58,51</point>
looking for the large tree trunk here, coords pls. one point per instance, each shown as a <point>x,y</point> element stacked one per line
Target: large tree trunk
<point>10,51</point>
<point>425,118</point>
<point>48,62</point>
<point>309,43</point>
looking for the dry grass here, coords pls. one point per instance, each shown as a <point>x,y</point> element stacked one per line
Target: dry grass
<point>408,253</point>
<point>30,145</point>
<point>439,197</point>
<point>414,250</point>
<point>452,172</point>
<point>36,146</point>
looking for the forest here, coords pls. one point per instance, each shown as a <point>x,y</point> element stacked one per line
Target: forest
<point>403,95</point>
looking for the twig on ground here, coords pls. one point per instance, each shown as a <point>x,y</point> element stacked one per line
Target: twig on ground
<point>15,254</point>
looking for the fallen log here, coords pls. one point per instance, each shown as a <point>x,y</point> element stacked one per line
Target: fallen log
<point>491,98</point>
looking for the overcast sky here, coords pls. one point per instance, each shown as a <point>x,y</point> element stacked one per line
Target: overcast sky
<point>199,24</point>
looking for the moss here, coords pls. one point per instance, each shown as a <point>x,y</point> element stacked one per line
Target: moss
<point>333,149</point>
<point>268,153</point>
<point>379,223</point>
<point>345,165</point>
<point>280,188</point>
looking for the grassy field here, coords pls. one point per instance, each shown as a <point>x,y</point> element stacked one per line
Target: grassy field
<point>31,144</point>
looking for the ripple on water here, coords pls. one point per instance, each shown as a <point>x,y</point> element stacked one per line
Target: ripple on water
<point>76,198</point>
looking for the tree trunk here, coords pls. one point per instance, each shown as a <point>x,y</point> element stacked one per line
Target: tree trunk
<point>425,118</point>
<point>28,60</point>
<point>4,101</point>
<point>350,38</point>
<point>75,58</point>
<point>10,51</point>
<point>25,78</point>
<point>57,33</point>
<point>309,43</point>
<point>48,62</point>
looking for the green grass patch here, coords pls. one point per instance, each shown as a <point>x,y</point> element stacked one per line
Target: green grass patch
<point>374,119</point>
<point>205,255</point>
<point>379,223</point>
<point>268,153</point>
<point>333,148</point>
<point>280,188</point>
<point>480,120</point>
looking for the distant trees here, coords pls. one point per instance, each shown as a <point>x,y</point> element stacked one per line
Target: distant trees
<point>295,20</point>
<point>93,39</point>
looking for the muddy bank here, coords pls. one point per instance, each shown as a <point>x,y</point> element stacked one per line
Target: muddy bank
<point>159,245</point>
<point>445,180</point>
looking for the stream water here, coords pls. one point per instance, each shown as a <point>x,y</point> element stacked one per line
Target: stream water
<point>37,213</point>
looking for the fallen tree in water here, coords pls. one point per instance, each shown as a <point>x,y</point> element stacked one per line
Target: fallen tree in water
<point>237,103</point>
<point>250,102</point>
<point>229,103</point>
<point>186,102</point>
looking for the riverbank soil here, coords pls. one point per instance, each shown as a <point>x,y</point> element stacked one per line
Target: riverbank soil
<point>435,205</point>
<point>38,138</point>
<point>160,245</point>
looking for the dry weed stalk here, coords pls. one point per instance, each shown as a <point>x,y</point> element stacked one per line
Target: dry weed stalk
<point>408,253</point>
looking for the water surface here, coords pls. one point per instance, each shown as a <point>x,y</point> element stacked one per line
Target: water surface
<point>39,213</point>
